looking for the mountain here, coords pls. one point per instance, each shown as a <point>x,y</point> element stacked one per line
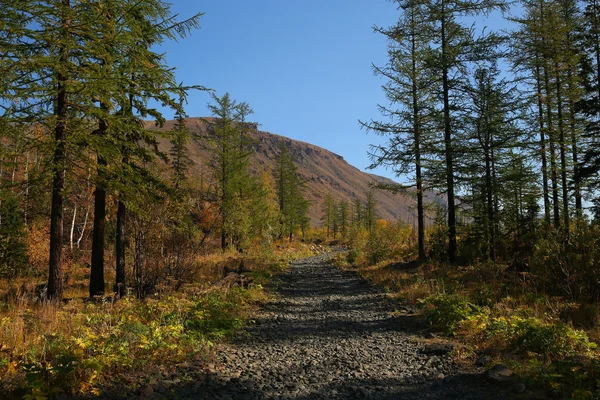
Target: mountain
<point>323,170</point>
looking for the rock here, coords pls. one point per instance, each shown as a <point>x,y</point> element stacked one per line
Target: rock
<point>437,349</point>
<point>148,391</point>
<point>517,388</point>
<point>482,361</point>
<point>500,374</point>
<point>329,334</point>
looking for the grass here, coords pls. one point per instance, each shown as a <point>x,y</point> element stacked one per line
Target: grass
<point>491,311</point>
<point>73,348</point>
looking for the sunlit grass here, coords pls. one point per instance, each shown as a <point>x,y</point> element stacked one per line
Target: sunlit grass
<point>78,346</point>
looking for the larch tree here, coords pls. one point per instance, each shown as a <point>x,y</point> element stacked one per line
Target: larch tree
<point>293,207</point>
<point>47,52</point>
<point>408,90</point>
<point>328,213</point>
<point>453,48</point>
<point>230,161</point>
<point>130,74</point>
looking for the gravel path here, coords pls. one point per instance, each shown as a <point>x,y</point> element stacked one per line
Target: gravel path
<point>328,334</point>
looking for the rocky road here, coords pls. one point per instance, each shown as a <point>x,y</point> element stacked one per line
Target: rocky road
<point>328,334</point>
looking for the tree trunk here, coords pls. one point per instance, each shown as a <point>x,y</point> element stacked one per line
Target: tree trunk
<point>417,138</point>
<point>97,271</point>
<point>563,157</point>
<point>120,250</point>
<point>85,220</point>
<point>551,134</point>
<point>448,146</point>
<point>490,203</point>
<point>543,147</point>
<point>73,226</point>
<point>55,272</point>
<point>551,137</point>
<point>574,149</point>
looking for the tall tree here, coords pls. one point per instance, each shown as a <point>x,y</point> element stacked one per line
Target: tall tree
<point>180,159</point>
<point>328,213</point>
<point>453,47</point>
<point>293,207</point>
<point>370,212</point>
<point>230,164</point>
<point>408,91</point>
<point>491,115</point>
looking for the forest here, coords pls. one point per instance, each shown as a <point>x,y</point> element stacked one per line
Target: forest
<point>112,250</point>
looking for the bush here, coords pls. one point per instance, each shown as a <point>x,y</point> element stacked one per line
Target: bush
<point>554,340</point>
<point>13,249</point>
<point>447,311</point>
<point>569,268</point>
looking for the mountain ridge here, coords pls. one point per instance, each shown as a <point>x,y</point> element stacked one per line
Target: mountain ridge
<point>323,170</point>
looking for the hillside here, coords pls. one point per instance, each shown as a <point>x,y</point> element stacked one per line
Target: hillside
<point>323,171</point>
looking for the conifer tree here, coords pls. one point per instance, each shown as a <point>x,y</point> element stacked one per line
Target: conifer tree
<point>179,153</point>
<point>328,213</point>
<point>370,212</point>
<point>342,216</point>
<point>453,47</point>
<point>408,91</point>
<point>230,165</point>
<point>293,207</point>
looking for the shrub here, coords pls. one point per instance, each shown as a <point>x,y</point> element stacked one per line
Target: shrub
<point>447,311</point>
<point>13,249</point>
<point>554,340</point>
<point>571,267</point>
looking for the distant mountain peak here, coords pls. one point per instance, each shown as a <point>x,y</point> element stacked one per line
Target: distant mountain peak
<point>323,170</point>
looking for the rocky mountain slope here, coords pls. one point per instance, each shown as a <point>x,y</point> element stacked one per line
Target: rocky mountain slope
<point>323,171</point>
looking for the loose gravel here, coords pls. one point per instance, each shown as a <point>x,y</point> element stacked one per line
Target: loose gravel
<point>328,334</point>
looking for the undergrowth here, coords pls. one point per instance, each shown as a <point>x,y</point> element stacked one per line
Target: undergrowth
<point>545,333</point>
<point>48,349</point>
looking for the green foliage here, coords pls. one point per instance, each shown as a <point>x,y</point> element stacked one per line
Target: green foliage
<point>569,268</point>
<point>241,196</point>
<point>13,248</point>
<point>447,311</point>
<point>105,339</point>
<point>293,207</point>
<point>218,315</point>
<point>554,340</point>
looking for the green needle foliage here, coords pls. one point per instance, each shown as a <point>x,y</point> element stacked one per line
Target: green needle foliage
<point>293,207</point>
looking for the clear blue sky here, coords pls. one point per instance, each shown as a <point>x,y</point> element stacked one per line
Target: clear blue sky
<point>304,66</point>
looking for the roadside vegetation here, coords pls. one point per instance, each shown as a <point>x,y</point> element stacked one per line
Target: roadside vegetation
<point>80,345</point>
<point>543,323</point>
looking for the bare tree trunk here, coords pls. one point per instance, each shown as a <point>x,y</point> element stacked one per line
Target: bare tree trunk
<point>26,189</point>
<point>73,225</point>
<point>417,138</point>
<point>85,220</point>
<point>543,147</point>
<point>97,264</point>
<point>552,141</point>
<point>1,171</point>
<point>562,148</point>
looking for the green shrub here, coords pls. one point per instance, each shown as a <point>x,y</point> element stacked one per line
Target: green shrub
<point>569,268</point>
<point>447,311</point>
<point>218,315</point>
<point>554,340</point>
<point>13,249</point>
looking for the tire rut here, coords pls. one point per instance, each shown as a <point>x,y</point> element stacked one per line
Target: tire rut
<point>328,334</point>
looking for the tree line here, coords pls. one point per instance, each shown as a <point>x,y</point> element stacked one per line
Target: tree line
<point>341,216</point>
<point>79,81</point>
<point>503,124</point>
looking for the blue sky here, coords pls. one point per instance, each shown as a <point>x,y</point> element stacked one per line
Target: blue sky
<point>304,66</point>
